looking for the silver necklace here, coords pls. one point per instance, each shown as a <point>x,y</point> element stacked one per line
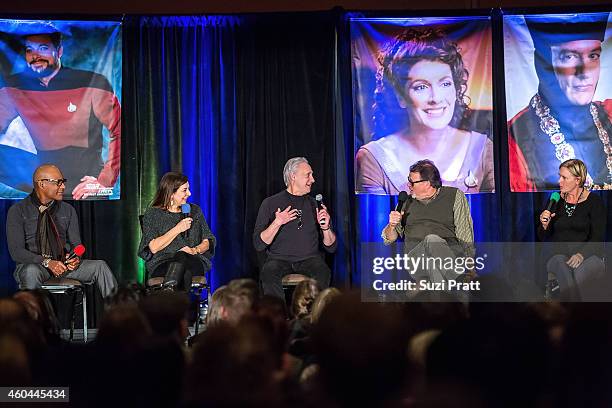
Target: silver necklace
<point>570,208</point>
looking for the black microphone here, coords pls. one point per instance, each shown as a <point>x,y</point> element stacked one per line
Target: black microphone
<point>186,210</point>
<point>552,202</point>
<point>78,250</point>
<point>401,199</point>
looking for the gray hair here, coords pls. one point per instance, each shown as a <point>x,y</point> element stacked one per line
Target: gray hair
<point>291,167</point>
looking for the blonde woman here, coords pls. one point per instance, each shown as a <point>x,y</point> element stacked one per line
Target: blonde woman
<point>578,225</point>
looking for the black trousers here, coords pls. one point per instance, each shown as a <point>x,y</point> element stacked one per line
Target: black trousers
<point>273,271</point>
<point>180,268</point>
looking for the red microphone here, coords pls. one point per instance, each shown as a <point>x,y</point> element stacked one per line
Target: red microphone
<point>78,250</point>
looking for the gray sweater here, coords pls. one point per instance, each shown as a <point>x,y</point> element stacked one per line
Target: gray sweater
<point>156,222</point>
<point>447,215</point>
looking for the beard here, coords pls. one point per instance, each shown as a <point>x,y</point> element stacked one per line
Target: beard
<point>41,72</point>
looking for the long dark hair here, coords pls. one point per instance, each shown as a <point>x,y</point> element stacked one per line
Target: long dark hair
<point>168,185</point>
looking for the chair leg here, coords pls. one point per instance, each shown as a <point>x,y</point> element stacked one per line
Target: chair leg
<point>84,301</point>
<point>199,303</point>
<point>74,300</point>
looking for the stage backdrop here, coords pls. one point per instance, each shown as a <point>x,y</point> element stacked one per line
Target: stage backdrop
<point>558,97</point>
<point>226,100</point>
<point>60,90</point>
<point>422,88</point>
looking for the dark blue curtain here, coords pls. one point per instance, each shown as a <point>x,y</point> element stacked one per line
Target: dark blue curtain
<point>182,78</point>
<point>227,100</point>
<point>7,283</point>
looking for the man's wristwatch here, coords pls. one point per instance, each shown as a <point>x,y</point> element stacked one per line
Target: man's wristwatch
<point>45,262</point>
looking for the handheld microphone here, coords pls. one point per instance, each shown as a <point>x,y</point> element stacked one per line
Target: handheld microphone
<point>78,250</point>
<point>552,202</point>
<point>186,210</point>
<point>401,199</point>
<point>319,198</point>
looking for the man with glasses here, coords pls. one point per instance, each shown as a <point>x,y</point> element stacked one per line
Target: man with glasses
<point>435,223</point>
<point>291,229</point>
<point>41,232</point>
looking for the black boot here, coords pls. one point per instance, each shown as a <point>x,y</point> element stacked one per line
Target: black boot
<point>174,275</point>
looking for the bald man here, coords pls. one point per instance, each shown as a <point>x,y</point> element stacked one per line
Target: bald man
<point>41,231</point>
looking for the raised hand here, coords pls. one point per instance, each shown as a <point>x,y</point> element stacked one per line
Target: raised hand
<point>322,214</point>
<point>184,224</point>
<point>545,218</point>
<point>285,216</point>
<point>395,217</point>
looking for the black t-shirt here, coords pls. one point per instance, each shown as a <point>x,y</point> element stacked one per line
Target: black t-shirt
<point>298,239</point>
<point>587,224</point>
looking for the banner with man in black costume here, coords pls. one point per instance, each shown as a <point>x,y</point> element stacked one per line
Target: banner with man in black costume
<point>568,111</point>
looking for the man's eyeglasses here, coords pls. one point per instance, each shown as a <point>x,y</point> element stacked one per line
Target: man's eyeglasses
<point>300,224</point>
<point>412,183</point>
<point>57,182</point>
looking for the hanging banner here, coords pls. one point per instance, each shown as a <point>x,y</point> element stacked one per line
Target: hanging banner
<point>422,89</point>
<point>558,98</point>
<point>60,89</point>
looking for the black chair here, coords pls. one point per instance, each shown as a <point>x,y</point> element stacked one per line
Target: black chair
<point>66,286</point>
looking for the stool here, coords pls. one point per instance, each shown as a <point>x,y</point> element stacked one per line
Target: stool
<point>293,279</point>
<point>155,283</point>
<point>199,284</point>
<point>64,286</point>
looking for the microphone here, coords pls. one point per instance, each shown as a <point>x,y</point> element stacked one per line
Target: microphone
<point>186,210</point>
<point>552,202</point>
<point>319,198</point>
<point>401,199</point>
<point>78,250</point>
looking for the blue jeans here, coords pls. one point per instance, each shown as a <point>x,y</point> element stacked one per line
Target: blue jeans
<point>580,283</point>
